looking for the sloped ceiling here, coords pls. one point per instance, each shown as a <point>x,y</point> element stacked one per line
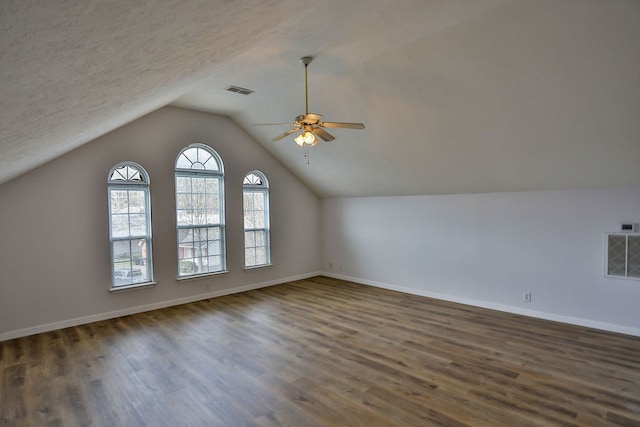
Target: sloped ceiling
<point>458,96</point>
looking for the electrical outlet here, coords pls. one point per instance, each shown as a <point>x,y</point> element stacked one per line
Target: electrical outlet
<point>527,296</point>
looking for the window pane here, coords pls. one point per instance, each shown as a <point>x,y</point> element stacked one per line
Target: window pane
<point>119,225</point>
<point>249,219</point>
<point>136,201</point>
<point>191,154</point>
<point>198,201</point>
<point>200,237</point>
<point>183,162</point>
<point>186,264</point>
<point>249,239</point>
<point>259,219</point>
<point>121,254</point>
<point>191,251</point>
<point>130,262</point>
<point>198,185</point>
<point>183,201</point>
<point>119,174</point>
<point>214,233</point>
<point>633,257</point>
<point>203,155</point>
<point>199,217</point>
<point>184,217</point>
<point>211,202</point>
<point>260,240</point>
<point>214,263</point>
<point>214,247</point>
<point>258,198</point>
<point>185,238</point>
<point>248,200</point>
<point>211,164</point>
<point>187,267</point>
<point>213,205</point>
<point>261,256</point>
<point>211,217</point>
<point>137,225</point>
<point>183,184</point>
<point>119,201</point>
<point>250,257</point>
<point>212,185</point>
<point>138,253</point>
<point>616,255</point>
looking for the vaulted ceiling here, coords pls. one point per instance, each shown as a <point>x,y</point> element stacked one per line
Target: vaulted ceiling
<point>458,96</point>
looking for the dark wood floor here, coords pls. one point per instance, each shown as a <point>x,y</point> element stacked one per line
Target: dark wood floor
<point>321,352</point>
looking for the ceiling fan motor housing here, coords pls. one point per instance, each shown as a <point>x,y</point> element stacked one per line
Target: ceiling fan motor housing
<point>309,119</point>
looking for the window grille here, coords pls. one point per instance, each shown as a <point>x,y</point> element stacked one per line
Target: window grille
<point>200,219</point>
<point>129,226</point>
<point>255,199</point>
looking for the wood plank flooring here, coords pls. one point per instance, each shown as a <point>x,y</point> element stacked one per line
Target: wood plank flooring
<point>321,352</point>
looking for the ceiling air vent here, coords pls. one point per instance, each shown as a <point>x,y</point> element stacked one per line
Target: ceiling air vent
<point>240,90</point>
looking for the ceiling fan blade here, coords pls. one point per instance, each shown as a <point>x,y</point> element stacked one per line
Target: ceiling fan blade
<point>283,134</point>
<point>273,124</point>
<point>326,136</point>
<point>341,125</point>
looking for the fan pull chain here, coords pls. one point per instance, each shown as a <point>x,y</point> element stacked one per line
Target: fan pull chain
<point>307,156</point>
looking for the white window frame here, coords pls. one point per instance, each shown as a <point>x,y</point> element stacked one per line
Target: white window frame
<point>199,163</point>
<point>130,177</point>
<point>255,182</point>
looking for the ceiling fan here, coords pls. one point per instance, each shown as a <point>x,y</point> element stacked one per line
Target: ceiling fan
<point>310,124</point>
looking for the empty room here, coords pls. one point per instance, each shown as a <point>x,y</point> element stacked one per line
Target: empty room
<point>332,213</point>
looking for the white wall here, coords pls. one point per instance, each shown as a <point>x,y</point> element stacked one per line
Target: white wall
<point>483,249</point>
<point>488,249</point>
<point>54,239</point>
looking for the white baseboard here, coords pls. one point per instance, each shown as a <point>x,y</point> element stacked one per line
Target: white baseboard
<point>163,304</point>
<point>609,327</point>
<point>147,307</point>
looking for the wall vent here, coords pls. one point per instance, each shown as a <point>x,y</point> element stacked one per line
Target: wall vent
<point>240,90</point>
<point>623,255</point>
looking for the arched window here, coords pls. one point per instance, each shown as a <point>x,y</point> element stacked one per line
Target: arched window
<point>200,211</point>
<point>129,226</point>
<point>255,199</point>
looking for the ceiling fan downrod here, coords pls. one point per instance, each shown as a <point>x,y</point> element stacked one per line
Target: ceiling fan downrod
<point>306,60</point>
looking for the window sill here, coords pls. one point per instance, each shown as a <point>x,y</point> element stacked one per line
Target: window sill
<point>255,267</point>
<point>133,287</point>
<point>200,276</point>
<point>612,276</point>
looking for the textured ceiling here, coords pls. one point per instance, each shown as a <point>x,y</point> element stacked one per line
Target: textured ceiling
<point>459,96</point>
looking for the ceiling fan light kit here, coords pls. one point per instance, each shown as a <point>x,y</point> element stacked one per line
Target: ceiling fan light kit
<point>310,124</point>
<point>306,137</point>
